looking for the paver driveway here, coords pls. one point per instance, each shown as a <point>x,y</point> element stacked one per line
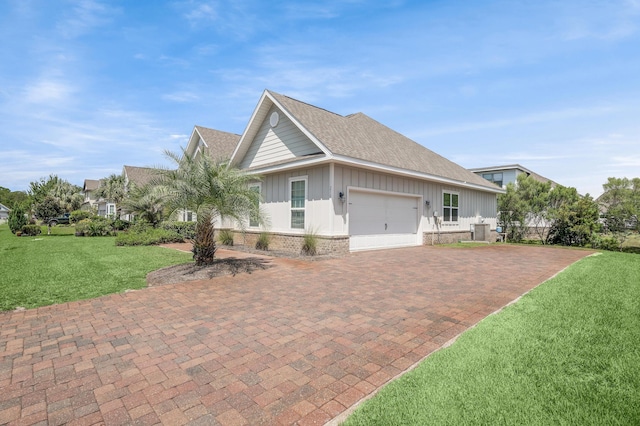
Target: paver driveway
<point>298,342</point>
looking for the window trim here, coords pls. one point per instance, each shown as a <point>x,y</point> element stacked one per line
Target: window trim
<point>259,186</point>
<point>297,209</point>
<point>450,221</point>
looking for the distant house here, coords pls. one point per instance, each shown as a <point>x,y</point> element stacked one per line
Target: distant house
<point>135,177</point>
<point>503,175</point>
<point>94,203</point>
<point>352,181</point>
<point>4,213</point>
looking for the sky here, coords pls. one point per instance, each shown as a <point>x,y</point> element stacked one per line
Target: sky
<point>87,86</point>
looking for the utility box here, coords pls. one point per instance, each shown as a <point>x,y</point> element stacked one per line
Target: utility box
<point>481,231</point>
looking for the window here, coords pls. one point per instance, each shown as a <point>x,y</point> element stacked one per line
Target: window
<point>253,218</point>
<point>449,207</point>
<point>494,177</point>
<point>111,210</point>
<point>298,188</point>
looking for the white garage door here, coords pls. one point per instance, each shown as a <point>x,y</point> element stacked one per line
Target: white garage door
<point>381,220</point>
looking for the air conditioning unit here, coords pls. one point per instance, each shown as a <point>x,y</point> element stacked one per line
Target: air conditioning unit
<point>480,231</point>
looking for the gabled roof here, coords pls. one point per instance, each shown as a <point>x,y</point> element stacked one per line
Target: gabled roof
<point>216,144</point>
<point>359,140</point>
<point>91,185</point>
<point>4,208</point>
<point>139,176</point>
<point>534,175</point>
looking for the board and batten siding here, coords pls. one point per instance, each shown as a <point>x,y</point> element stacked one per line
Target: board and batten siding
<point>276,201</point>
<point>473,204</point>
<point>282,142</point>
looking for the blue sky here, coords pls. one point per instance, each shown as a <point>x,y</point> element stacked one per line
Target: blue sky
<point>87,86</point>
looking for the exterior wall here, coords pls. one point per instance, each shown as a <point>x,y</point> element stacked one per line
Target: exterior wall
<point>473,204</point>
<point>292,243</point>
<point>272,144</point>
<point>327,216</point>
<point>276,203</point>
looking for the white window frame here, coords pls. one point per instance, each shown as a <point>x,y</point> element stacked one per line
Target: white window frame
<point>259,186</point>
<point>306,197</point>
<point>111,210</point>
<point>451,221</point>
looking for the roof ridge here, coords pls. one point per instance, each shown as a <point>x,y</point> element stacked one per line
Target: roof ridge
<point>305,103</point>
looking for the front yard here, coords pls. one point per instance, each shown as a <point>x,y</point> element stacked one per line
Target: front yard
<point>57,268</point>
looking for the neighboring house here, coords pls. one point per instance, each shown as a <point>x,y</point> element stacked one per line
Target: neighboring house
<point>4,213</point>
<point>92,202</point>
<point>135,176</point>
<point>352,181</point>
<point>503,175</point>
<point>216,144</point>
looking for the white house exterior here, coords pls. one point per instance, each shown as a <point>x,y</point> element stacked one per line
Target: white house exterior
<point>4,213</point>
<point>353,182</point>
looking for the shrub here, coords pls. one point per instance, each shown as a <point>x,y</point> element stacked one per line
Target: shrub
<point>78,215</point>
<point>186,229</point>
<point>605,242</point>
<point>120,225</point>
<point>31,230</point>
<point>82,227</point>
<point>147,237</point>
<point>17,219</point>
<point>98,227</point>
<point>225,236</point>
<point>263,241</point>
<point>310,243</point>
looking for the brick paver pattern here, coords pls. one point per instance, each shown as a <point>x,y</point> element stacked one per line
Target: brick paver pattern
<point>297,343</point>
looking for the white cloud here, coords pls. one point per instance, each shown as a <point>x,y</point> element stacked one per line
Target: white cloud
<point>181,97</point>
<point>45,91</point>
<point>85,16</point>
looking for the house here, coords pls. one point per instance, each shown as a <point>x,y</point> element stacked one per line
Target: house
<point>4,213</point>
<point>503,175</point>
<point>352,181</point>
<point>135,176</point>
<point>94,203</point>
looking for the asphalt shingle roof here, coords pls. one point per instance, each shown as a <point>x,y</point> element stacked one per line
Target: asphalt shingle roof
<point>139,176</point>
<point>361,137</point>
<point>220,144</point>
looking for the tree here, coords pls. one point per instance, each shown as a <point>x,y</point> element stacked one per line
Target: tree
<point>574,217</point>
<point>512,214</point>
<point>17,219</point>
<point>212,190</point>
<point>48,208</point>
<point>621,205</point>
<point>112,189</point>
<point>524,208</point>
<point>146,203</point>
<point>13,198</point>
<point>65,194</point>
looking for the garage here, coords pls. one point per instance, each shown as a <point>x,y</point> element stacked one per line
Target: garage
<point>382,220</point>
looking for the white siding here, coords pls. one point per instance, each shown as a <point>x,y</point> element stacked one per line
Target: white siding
<point>273,144</point>
<point>276,201</point>
<point>472,204</point>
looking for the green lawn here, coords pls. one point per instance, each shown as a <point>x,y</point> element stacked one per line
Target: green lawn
<point>43,270</point>
<point>566,353</point>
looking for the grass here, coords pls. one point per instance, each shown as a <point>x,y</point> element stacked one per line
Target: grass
<point>567,353</point>
<point>44,270</point>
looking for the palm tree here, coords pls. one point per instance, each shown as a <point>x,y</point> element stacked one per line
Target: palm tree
<point>212,190</point>
<point>146,202</point>
<point>112,189</point>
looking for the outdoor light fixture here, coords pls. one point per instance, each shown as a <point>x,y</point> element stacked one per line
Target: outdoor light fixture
<point>341,196</point>
<point>427,203</point>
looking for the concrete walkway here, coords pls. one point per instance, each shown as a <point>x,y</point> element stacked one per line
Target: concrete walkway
<point>300,342</point>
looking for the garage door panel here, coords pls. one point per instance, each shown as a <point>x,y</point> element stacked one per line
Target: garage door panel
<point>379,220</point>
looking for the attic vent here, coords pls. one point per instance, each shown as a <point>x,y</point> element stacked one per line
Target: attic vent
<point>274,119</point>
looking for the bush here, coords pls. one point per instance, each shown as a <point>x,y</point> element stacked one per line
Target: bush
<point>148,237</point>
<point>98,226</point>
<point>263,241</point>
<point>120,225</point>
<point>310,243</point>
<point>17,219</point>
<point>31,230</point>
<point>186,229</point>
<point>82,227</point>
<point>78,215</point>
<point>225,236</point>
<point>605,242</point>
